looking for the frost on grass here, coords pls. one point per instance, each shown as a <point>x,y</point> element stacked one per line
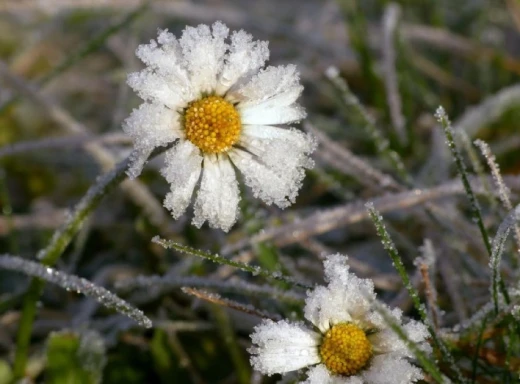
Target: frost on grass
<point>74,283</point>
<point>181,72</point>
<point>497,250</point>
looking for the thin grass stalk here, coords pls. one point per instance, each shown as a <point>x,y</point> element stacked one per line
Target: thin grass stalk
<point>426,362</point>
<point>390,23</point>
<point>254,270</point>
<point>49,255</point>
<point>389,246</point>
<point>381,143</point>
<point>242,370</point>
<point>477,165</point>
<point>443,119</point>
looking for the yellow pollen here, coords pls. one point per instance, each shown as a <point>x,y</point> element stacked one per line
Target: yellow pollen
<point>212,124</point>
<point>345,349</point>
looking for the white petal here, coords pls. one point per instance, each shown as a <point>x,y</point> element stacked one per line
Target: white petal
<point>283,347</point>
<point>271,113</point>
<point>244,58</point>
<point>182,170</point>
<point>344,299</point>
<point>386,369</point>
<point>326,307</point>
<point>150,126</point>
<point>270,97</point>
<point>279,109</point>
<point>321,375</point>
<point>165,58</point>
<point>138,159</point>
<point>218,196</point>
<point>274,162</point>
<point>387,341</point>
<point>159,89</point>
<point>204,52</point>
<point>267,84</point>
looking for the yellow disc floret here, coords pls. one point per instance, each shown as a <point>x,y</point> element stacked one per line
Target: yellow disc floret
<point>212,124</point>
<point>345,349</point>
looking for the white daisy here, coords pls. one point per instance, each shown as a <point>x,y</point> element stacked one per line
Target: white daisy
<point>223,111</point>
<point>349,343</point>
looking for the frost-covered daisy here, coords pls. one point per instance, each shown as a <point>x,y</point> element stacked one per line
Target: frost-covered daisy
<point>348,342</point>
<point>208,93</point>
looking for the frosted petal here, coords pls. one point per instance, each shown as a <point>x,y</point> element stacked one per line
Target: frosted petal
<point>321,375</point>
<point>150,126</point>
<point>385,369</point>
<point>270,112</point>
<point>157,88</point>
<point>283,347</point>
<point>165,57</point>
<point>218,197</point>
<point>344,299</point>
<point>281,83</point>
<point>204,49</point>
<point>387,341</point>
<point>244,58</point>
<point>274,162</point>
<point>182,170</point>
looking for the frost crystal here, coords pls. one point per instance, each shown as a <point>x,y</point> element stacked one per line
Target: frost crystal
<point>280,347</point>
<point>224,72</point>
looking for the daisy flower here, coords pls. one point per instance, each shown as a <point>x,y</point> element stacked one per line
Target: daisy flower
<point>348,341</point>
<point>208,93</point>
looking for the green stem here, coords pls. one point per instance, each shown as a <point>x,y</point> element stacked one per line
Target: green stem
<point>443,119</point>
<point>48,256</point>
<point>253,269</point>
<point>389,246</point>
<point>461,167</point>
<point>228,335</point>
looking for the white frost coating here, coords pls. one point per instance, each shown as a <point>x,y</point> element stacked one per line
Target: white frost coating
<point>204,51</point>
<point>150,126</point>
<point>389,370</point>
<point>346,298</point>
<point>209,60</point>
<point>343,300</point>
<point>275,161</point>
<point>165,58</point>
<point>283,347</point>
<point>155,88</point>
<point>268,84</point>
<point>74,283</point>
<point>182,171</point>
<point>244,58</point>
<point>218,196</point>
<point>320,375</point>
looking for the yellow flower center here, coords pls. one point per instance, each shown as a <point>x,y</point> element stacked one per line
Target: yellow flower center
<point>212,124</point>
<point>345,349</point>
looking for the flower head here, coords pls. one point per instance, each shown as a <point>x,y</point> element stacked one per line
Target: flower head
<point>208,93</point>
<point>349,343</point>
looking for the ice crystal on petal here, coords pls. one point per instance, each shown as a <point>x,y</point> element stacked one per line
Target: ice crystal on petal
<point>150,126</point>
<point>244,58</point>
<point>391,370</point>
<point>203,51</point>
<point>218,196</point>
<point>180,75</point>
<point>288,347</point>
<point>154,87</point>
<point>274,163</point>
<point>182,171</point>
